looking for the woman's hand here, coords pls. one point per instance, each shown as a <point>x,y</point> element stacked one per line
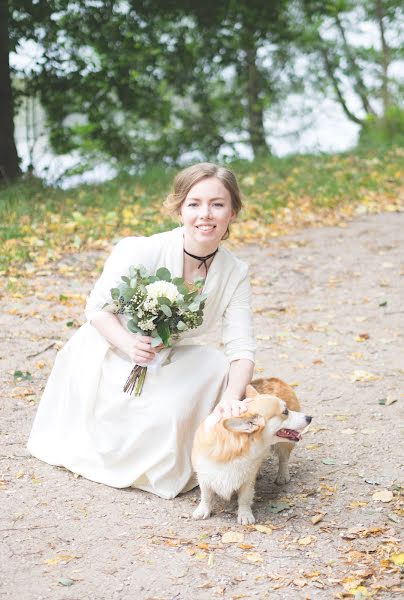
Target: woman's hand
<point>139,349</point>
<point>230,407</point>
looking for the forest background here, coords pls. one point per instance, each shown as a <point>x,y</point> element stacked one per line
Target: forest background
<point>142,87</point>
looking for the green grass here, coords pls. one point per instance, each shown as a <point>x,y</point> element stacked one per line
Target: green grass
<point>42,221</point>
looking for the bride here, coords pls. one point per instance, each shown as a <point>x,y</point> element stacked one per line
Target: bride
<point>86,423</point>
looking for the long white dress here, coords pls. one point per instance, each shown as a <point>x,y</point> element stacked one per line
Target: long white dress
<point>86,423</point>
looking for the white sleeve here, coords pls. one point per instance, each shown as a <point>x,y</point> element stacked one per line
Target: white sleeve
<point>116,265</point>
<point>238,333</point>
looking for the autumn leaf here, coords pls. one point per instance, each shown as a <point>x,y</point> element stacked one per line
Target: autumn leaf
<point>263,529</point>
<point>253,557</point>
<point>232,537</point>
<point>383,496</point>
<point>398,559</point>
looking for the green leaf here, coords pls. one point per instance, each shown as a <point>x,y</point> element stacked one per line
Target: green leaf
<point>329,461</point>
<point>163,274</point>
<point>164,332</point>
<point>178,281</point>
<point>66,581</point>
<point>133,327</point>
<point>166,310</point>
<point>133,282</point>
<point>115,293</point>
<point>21,375</point>
<point>164,300</point>
<point>181,326</point>
<point>128,294</point>
<point>156,341</point>
<point>277,507</point>
<point>125,279</point>
<point>194,307</point>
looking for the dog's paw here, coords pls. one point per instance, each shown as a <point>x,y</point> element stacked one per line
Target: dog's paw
<point>201,512</point>
<point>282,478</point>
<point>245,517</point>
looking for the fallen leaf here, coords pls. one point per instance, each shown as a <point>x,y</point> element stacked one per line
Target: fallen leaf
<point>263,529</point>
<point>360,375</point>
<point>305,541</point>
<point>383,496</point>
<point>317,518</point>
<point>253,557</point>
<point>313,446</point>
<point>398,559</point>
<point>278,507</point>
<point>357,504</point>
<point>362,337</point>
<point>246,546</point>
<point>232,537</point>
<point>328,461</point>
<point>359,592</point>
<point>65,581</point>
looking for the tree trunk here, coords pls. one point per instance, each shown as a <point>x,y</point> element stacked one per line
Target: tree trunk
<point>255,111</point>
<point>9,163</point>
<point>385,56</point>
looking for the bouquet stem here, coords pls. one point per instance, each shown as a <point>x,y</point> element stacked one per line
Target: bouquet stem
<point>135,380</point>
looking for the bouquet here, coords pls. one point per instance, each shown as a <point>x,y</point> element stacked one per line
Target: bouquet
<point>158,306</point>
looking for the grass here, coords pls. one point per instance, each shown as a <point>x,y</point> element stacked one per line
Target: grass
<point>38,224</point>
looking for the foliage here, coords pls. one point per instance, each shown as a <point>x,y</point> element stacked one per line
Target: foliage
<point>382,131</point>
<point>40,224</point>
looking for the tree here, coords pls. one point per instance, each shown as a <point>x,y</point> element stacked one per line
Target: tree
<point>9,163</point>
<point>350,62</point>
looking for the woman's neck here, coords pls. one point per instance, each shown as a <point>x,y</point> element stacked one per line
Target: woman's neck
<point>199,249</point>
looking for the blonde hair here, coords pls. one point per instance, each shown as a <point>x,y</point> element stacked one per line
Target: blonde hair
<point>188,177</point>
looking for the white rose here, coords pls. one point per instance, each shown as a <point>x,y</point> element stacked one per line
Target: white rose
<point>160,289</point>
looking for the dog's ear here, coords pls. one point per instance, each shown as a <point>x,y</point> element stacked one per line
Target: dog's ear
<point>245,424</point>
<point>250,392</point>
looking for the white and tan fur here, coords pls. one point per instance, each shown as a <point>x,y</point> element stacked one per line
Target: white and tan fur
<point>227,454</point>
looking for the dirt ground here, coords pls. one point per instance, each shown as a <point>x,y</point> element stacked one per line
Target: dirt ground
<point>329,320</point>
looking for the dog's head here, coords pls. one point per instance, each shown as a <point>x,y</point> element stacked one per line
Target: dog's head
<point>271,415</point>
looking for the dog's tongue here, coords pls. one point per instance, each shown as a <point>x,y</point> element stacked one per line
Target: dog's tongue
<point>290,434</point>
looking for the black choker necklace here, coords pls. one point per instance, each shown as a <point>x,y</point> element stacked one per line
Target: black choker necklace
<point>203,259</point>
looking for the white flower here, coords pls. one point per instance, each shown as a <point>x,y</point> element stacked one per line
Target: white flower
<point>160,289</point>
<point>146,325</point>
<point>140,313</point>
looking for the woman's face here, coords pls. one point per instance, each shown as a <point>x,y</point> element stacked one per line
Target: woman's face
<point>206,212</point>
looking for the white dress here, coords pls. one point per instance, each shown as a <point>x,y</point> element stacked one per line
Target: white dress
<point>86,423</point>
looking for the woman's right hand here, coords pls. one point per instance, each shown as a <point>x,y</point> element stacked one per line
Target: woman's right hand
<point>139,349</point>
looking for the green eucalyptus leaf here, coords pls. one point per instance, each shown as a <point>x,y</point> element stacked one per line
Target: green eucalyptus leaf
<point>163,274</point>
<point>115,293</point>
<point>166,310</point>
<point>164,300</point>
<point>156,341</point>
<point>181,326</point>
<point>125,279</point>
<point>133,327</point>
<point>164,332</point>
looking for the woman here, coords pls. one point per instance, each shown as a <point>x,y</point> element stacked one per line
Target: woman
<point>86,423</point>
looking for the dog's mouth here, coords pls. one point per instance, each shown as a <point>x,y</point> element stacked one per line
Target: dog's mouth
<point>289,434</point>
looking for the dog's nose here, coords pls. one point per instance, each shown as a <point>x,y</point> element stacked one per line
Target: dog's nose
<point>309,419</point>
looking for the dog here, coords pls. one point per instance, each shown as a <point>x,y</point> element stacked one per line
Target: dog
<point>227,455</point>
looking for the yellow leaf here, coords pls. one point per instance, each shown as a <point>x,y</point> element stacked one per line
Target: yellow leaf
<point>263,529</point>
<point>19,474</point>
<point>232,537</point>
<point>398,559</point>
<point>383,496</point>
<point>246,546</point>
<point>313,446</point>
<point>357,504</point>
<point>360,375</point>
<point>200,555</point>
<point>203,546</point>
<point>305,541</point>
<point>317,518</point>
<point>253,557</point>
<point>359,591</point>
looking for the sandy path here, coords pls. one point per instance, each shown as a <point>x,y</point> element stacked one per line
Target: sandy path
<point>329,318</point>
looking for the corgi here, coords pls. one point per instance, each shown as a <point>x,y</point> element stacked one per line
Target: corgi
<point>227,455</point>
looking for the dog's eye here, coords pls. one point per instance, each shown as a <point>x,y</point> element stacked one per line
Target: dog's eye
<point>285,412</point>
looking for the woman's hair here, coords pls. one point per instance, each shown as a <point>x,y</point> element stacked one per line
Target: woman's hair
<point>188,177</point>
